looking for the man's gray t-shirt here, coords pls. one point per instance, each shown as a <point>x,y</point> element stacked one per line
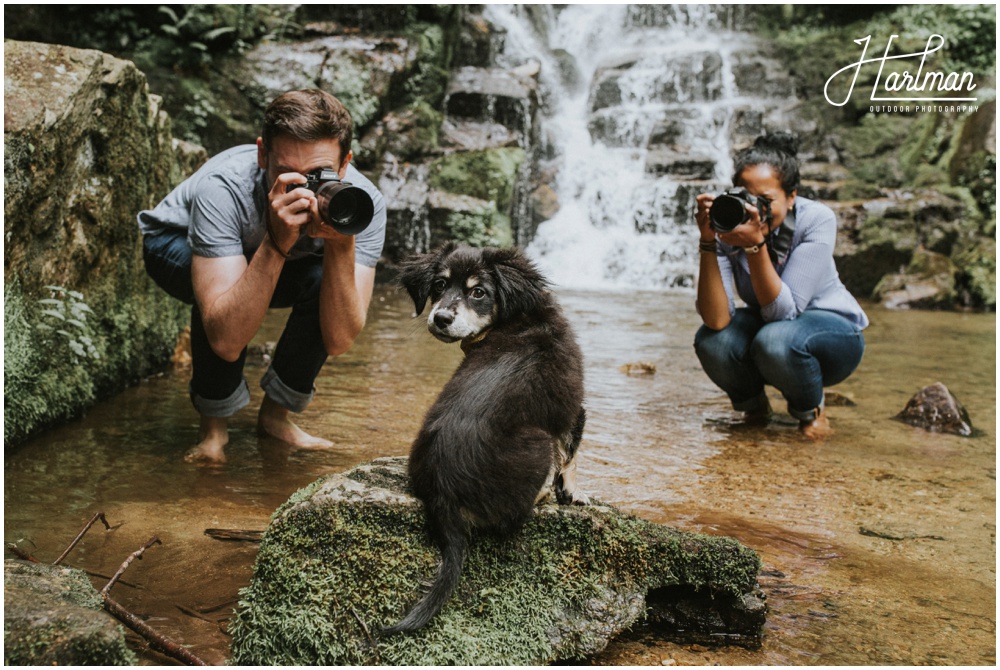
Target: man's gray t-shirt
<point>224,204</point>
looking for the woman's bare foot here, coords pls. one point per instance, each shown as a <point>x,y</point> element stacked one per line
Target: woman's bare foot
<point>213,436</point>
<point>273,421</point>
<point>818,428</point>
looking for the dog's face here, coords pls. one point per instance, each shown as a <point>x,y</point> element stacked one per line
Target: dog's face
<point>471,289</point>
<point>463,302</point>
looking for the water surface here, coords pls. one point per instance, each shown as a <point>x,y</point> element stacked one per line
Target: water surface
<point>665,446</point>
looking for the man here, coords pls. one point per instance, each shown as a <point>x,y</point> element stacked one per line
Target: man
<point>234,240</point>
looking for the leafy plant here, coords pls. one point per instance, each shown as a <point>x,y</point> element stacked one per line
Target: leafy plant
<point>64,320</point>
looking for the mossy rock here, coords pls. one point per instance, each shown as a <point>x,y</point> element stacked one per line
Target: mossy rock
<point>53,616</point>
<point>486,175</point>
<point>347,555</point>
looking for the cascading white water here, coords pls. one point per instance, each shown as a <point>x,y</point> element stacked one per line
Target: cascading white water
<point>616,82</point>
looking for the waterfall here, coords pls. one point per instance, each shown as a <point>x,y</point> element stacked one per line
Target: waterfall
<point>641,107</point>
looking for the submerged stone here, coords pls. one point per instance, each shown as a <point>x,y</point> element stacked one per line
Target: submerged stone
<point>934,408</point>
<point>53,616</point>
<point>349,554</point>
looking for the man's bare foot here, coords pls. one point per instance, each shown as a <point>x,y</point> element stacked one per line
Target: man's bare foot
<point>273,421</point>
<point>818,428</point>
<point>213,436</point>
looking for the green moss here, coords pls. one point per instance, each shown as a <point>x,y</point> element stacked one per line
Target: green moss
<point>334,569</point>
<point>488,175</point>
<point>53,616</point>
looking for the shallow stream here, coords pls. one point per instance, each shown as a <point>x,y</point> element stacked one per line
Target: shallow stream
<point>878,544</point>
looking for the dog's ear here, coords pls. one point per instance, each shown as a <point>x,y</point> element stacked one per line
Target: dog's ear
<point>416,274</point>
<point>521,288</point>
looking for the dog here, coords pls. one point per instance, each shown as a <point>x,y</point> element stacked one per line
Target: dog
<point>504,432</point>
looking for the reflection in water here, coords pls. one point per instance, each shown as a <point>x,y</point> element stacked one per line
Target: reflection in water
<point>665,446</point>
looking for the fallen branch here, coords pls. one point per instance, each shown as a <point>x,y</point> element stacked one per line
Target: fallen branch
<point>128,561</point>
<point>21,553</point>
<point>236,535</point>
<point>156,640</point>
<point>99,515</point>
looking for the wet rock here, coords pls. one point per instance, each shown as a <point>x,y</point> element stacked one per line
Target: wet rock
<point>679,164</point>
<point>494,95</point>
<point>356,543</point>
<point>927,282</point>
<point>934,408</point>
<point>86,147</point>
<point>360,71</point>
<point>53,616</point>
<point>403,135</point>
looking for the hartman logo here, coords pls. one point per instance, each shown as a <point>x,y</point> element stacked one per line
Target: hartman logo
<point>925,89</point>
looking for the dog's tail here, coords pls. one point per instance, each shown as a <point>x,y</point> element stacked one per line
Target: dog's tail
<point>452,541</point>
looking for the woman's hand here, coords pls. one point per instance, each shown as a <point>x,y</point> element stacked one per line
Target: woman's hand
<point>752,232</point>
<point>701,216</point>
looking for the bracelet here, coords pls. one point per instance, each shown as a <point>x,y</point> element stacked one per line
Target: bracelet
<point>274,242</point>
<point>708,247</point>
<point>754,250</point>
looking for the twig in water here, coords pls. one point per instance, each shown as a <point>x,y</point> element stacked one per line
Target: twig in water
<point>156,640</point>
<point>128,561</point>
<point>99,515</point>
<point>21,553</point>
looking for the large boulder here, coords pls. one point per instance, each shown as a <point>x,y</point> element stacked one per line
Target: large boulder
<point>347,555</point>
<point>86,147</point>
<point>53,616</point>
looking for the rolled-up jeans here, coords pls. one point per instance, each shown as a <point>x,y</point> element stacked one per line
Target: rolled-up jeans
<point>218,387</point>
<point>799,357</point>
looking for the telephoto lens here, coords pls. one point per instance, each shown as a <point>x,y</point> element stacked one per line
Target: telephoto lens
<point>343,206</point>
<point>348,209</point>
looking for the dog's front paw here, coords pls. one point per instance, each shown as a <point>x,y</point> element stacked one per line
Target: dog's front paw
<point>565,497</point>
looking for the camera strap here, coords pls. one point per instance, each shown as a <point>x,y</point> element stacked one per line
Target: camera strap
<point>781,240</point>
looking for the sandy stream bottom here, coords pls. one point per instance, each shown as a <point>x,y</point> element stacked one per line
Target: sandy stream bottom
<point>878,544</point>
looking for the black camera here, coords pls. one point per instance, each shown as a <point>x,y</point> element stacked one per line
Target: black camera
<point>345,207</point>
<point>729,209</point>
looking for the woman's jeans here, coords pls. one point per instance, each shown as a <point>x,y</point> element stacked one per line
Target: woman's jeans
<point>218,387</point>
<point>798,357</point>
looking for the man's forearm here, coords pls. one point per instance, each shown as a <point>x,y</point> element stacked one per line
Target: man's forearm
<point>234,315</point>
<point>344,301</point>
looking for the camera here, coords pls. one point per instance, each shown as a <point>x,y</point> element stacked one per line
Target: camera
<point>729,209</point>
<point>345,207</point>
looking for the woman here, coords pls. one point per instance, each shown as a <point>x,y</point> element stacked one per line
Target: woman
<point>800,329</point>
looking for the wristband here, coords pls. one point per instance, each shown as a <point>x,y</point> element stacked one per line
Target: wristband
<point>754,250</point>
<point>708,247</point>
<point>274,242</point>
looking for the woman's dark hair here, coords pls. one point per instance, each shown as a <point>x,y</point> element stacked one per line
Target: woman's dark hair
<point>778,150</point>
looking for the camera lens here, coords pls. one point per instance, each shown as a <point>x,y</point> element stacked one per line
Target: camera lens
<point>347,208</point>
<point>726,213</point>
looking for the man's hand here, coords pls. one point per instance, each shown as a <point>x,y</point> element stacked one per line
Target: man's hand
<point>290,211</point>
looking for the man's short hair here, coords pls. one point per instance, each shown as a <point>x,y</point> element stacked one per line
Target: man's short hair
<point>308,115</point>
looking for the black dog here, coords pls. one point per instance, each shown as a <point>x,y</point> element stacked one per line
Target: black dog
<point>505,430</point>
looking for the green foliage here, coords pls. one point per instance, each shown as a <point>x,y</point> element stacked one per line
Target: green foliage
<point>49,355</point>
<point>64,323</point>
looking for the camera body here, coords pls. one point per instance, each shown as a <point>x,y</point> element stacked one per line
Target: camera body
<point>729,209</point>
<point>343,206</point>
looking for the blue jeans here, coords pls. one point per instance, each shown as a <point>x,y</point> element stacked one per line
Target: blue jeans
<point>218,387</point>
<point>798,357</point>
